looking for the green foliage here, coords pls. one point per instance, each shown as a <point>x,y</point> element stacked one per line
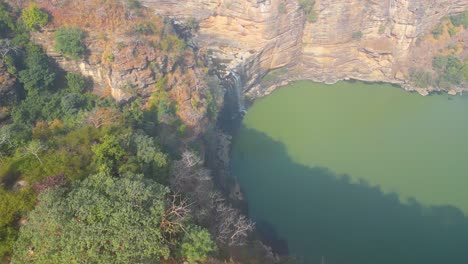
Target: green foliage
<point>381,29</point>
<point>6,20</point>
<point>100,220</point>
<point>282,8</point>
<point>152,161</point>
<point>108,154</point>
<point>160,100</point>
<point>197,245</point>
<point>212,108</point>
<point>172,43</point>
<point>450,70</point>
<point>452,31</point>
<point>69,42</point>
<point>33,17</point>
<point>12,205</point>
<point>438,30</point>
<point>193,25</point>
<point>308,7</point>
<point>145,28</point>
<point>133,114</point>
<point>133,4</point>
<point>420,78</point>
<point>38,76</point>
<point>76,83</point>
<point>357,35</point>
<point>461,19</point>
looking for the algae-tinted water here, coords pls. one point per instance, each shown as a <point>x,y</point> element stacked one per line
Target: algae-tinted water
<point>358,173</point>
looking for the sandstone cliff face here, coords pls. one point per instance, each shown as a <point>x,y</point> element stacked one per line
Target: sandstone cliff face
<point>256,36</point>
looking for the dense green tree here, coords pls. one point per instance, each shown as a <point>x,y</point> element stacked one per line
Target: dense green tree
<point>152,161</point>
<point>33,17</point>
<point>12,205</point>
<point>108,154</point>
<point>197,245</point>
<point>69,42</point>
<point>38,76</point>
<point>6,20</point>
<point>76,83</point>
<point>71,103</point>
<point>101,220</point>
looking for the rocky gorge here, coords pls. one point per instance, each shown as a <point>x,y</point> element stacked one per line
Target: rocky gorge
<point>368,40</point>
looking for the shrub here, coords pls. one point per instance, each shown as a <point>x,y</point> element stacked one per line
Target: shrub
<point>461,19</point>
<point>69,42</point>
<point>76,83</point>
<point>133,4</point>
<point>145,29</point>
<point>381,29</point>
<point>282,8</point>
<point>421,79</point>
<point>308,7</point>
<point>33,17</point>
<point>452,31</point>
<point>450,70</point>
<point>6,20</point>
<point>438,31</point>
<point>197,245</point>
<point>357,35</point>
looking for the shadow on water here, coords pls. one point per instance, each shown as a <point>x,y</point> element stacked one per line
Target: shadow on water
<point>329,218</point>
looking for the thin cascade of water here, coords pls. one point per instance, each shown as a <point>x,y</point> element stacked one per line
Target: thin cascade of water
<point>235,88</point>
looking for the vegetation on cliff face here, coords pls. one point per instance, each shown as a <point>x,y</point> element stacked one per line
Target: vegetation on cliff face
<point>68,41</point>
<point>98,172</point>
<point>450,71</point>
<point>448,68</point>
<point>308,7</point>
<point>34,18</point>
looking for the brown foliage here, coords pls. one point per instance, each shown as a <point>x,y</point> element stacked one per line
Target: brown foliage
<point>104,116</point>
<point>49,182</point>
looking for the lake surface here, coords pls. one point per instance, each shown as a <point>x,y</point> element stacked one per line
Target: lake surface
<point>357,173</point>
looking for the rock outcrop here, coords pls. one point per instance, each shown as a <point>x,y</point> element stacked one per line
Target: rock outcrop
<point>359,39</point>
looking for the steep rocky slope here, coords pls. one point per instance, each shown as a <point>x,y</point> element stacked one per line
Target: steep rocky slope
<point>130,52</point>
<point>258,36</point>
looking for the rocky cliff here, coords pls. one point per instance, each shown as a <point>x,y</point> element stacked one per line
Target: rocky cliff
<point>359,39</point>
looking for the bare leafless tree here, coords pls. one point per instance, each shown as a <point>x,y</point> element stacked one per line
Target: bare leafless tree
<point>190,159</point>
<point>228,224</point>
<point>34,148</point>
<point>5,139</point>
<point>232,227</point>
<point>6,47</point>
<point>176,214</point>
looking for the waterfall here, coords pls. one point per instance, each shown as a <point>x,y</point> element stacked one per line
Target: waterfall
<point>234,109</point>
<point>235,85</point>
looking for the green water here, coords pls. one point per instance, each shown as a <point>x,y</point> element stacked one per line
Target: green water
<point>357,173</point>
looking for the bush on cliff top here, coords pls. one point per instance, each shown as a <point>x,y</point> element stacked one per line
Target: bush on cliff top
<point>34,18</point>
<point>69,42</point>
